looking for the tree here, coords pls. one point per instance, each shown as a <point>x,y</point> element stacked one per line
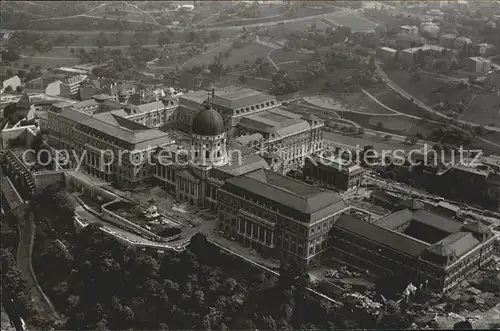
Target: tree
<point>380,126</point>
<point>21,74</point>
<point>8,89</point>
<point>411,140</point>
<point>165,37</point>
<point>291,274</point>
<point>10,55</point>
<point>463,325</point>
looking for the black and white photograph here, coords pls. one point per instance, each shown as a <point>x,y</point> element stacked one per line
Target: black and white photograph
<point>250,165</point>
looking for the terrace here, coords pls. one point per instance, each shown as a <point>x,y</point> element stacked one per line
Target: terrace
<point>132,213</point>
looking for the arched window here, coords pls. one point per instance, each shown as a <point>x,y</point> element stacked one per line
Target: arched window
<point>207,154</point>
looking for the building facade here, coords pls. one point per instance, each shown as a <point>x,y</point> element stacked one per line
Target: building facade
<point>278,216</point>
<point>70,88</point>
<point>106,145</point>
<point>414,245</point>
<point>333,172</point>
<point>287,138</point>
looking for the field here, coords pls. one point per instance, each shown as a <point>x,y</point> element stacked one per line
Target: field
<point>48,62</point>
<point>281,55</point>
<point>400,125</point>
<point>360,102</point>
<point>429,89</point>
<point>484,109</point>
<point>248,53</point>
<point>481,107</point>
<point>393,100</point>
<point>359,141</point>
<point>356,23</point>
<point>284,29</point>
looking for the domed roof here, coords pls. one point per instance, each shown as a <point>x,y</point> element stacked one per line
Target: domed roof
<point>208,122</point>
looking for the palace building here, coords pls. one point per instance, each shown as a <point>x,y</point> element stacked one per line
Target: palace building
<point>194,170</point>
<point>414,245</point>
<point>98,138</point>
<point>277,215</point>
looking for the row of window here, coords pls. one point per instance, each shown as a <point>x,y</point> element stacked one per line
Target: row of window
<point>255,107</point>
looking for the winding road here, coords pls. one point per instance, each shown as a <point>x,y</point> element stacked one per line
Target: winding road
<point>422,105</point>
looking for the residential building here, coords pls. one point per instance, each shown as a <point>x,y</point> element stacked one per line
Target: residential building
<point>411,55</point>
<point>70,88</point>
<point>408,55</point>
<point>333,172</point>
<point>429,29</point>
<point>409,30</point>
<point>462,42</point>
<point>435,13</point>
<point>414,245</point>
<point>278,215</point>
<point>387,54</point>
<point>12,82</point>
<point>478,64</point>
<point>485,49</point>
<point>447,40</point>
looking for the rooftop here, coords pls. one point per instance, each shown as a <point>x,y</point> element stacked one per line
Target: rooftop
<point>72,70</point>
<point>383,236</point>
<point>114,124</point>
<point>152,106</point>
<point>456,244</point>
<point>85,104</point>
<point>289,192</point>
<point>245,165</point>
<point>276,120</point>
<point>401,217</point>
<point>239,98</point>
<point>194,96</point>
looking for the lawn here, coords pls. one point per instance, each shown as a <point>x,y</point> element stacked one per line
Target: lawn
<point>481,107</point>
<point>247,54</point>
<point>47,62</point>
<point>284,29</point>
<point>207,57</point>
<point>429,89</point>
<point>400,125</point>
<point>281,55</point>
<point>484,109</point>
<point>379,144</point>
<point>360,102</point>
<point>356,23</point>
<point>393,100</point>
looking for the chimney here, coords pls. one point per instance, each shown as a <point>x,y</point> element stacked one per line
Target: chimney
<point>213,92</point>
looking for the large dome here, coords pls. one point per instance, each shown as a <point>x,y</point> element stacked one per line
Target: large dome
<point>208,122</point>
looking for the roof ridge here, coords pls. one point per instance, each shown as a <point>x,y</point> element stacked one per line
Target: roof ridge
<point>278,187</point>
